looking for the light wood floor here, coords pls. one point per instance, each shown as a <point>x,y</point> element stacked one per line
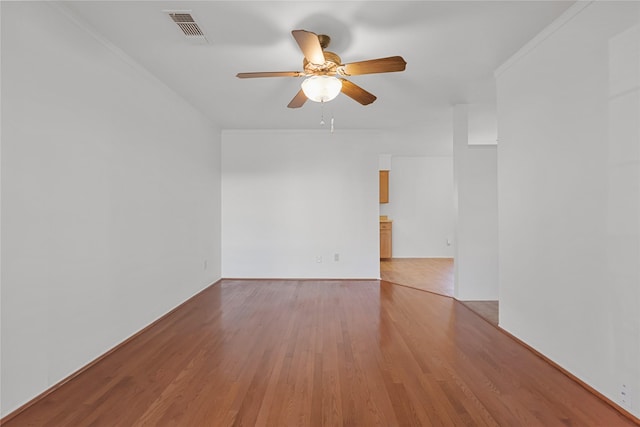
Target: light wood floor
<point>432,275</point>
<point>427,274</point>
<point>311,353</point>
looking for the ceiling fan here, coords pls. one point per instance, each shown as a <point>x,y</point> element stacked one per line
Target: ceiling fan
<point>325,72</point>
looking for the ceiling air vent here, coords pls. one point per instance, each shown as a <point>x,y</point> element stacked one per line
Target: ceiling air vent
<point>188,25</point>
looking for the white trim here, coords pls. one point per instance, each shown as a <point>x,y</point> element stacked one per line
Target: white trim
<point>560,22</point>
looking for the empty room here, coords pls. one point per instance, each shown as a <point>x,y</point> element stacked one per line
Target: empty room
<point>320,213</point>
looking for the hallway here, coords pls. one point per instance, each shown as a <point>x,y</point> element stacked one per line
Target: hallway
<point>435,275</point>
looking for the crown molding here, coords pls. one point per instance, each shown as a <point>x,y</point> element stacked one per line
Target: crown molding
<point>557,24</point>
<point>123,56</point>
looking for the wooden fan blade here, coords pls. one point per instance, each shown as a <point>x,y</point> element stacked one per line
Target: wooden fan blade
<point>356,93</point>
<point>298,100</point>
<point>269,74</point>
<point>382,65</point>
<point>309,45</point>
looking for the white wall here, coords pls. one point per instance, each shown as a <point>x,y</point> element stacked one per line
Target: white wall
<point>482,120</point>
<point>421,206</point>
<point>475,192</point>
<point>110,199</point>
<point>291,197</point>
<point>569,185</point>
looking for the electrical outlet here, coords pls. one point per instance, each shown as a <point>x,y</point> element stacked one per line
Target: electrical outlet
<point>625,396</point>
<point>336,257</point>
<point>318,259</point>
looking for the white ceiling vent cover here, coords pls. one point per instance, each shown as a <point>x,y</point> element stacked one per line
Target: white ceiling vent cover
<point>188,25</point>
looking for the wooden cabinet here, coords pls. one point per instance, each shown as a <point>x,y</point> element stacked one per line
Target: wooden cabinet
<point>385,239</point>
<point>385,224</point>
<point>384,186</point>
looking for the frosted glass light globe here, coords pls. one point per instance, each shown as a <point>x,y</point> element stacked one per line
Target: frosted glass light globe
<point>321,88</point>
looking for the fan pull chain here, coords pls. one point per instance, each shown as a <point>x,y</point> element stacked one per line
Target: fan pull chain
<point>321,113</point>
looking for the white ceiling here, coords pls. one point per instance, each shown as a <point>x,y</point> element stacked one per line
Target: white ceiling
<point>451,49</point>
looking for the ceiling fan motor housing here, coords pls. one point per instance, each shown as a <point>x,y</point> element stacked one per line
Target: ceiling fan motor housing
<point>330,66</point>
<point>324,40</point>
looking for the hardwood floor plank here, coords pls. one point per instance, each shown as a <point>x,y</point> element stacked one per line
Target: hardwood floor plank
<point>320,353</point>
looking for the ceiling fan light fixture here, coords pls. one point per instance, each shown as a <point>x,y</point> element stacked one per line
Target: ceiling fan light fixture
<point>321,88</point>
<point>320,68</point>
